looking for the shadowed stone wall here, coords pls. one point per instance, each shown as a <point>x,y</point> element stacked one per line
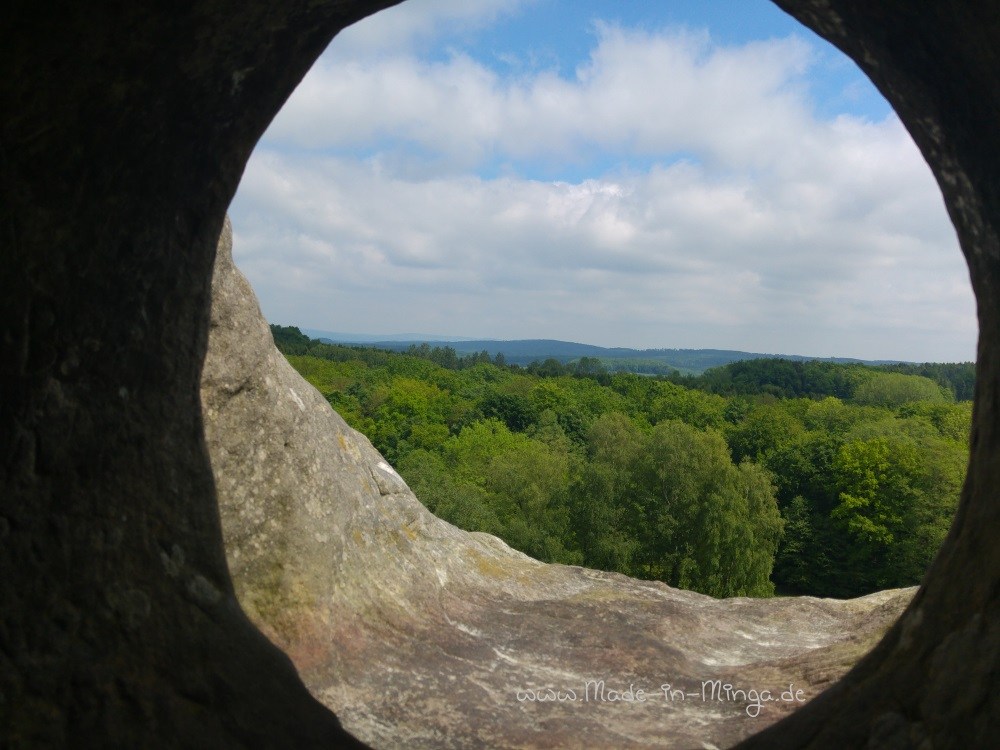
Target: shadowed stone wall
<point>124,129</point>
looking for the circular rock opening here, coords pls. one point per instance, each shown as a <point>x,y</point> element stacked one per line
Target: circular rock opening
<point>498,568</point>
<point>120,156</point>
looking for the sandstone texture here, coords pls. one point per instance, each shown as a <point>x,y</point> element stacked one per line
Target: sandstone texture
<point>418,634</point>
<point>124,129</point>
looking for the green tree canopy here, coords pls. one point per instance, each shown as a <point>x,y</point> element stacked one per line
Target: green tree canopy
<point>893,389</point>
<point>715,526</point>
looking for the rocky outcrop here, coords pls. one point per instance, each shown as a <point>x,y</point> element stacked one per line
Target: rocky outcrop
<point>124,128</point>
<point>419,634</point>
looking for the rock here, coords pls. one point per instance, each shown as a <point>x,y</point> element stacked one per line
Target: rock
<point>418,634</point>
<point>124,129</point>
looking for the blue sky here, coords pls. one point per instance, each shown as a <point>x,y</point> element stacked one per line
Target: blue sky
<point>646,174</point>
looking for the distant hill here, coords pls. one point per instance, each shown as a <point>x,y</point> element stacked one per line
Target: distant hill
<point>646,361</point>
<point>722,371</point>
<point>334,337</point>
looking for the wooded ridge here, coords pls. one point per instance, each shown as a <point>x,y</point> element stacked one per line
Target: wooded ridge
<point>806,477</point>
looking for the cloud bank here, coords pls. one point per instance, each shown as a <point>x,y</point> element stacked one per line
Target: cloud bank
<point>671,192</point>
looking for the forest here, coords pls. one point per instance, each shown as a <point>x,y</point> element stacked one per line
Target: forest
<point>759,477</point>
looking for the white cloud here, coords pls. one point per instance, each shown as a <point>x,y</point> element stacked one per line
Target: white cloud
<point>639,93</point>
<point>702,262</point>
<point>778,231</point>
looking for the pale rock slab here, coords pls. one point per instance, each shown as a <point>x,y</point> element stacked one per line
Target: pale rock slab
<point>421,635</point>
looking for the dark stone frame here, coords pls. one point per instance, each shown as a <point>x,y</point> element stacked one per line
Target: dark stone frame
<point>124,130</point>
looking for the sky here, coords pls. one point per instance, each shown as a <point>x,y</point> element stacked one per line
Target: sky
<point>673,174</point>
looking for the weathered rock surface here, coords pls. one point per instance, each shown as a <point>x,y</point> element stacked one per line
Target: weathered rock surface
<point>124,128</point>
<point>419,634</point>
